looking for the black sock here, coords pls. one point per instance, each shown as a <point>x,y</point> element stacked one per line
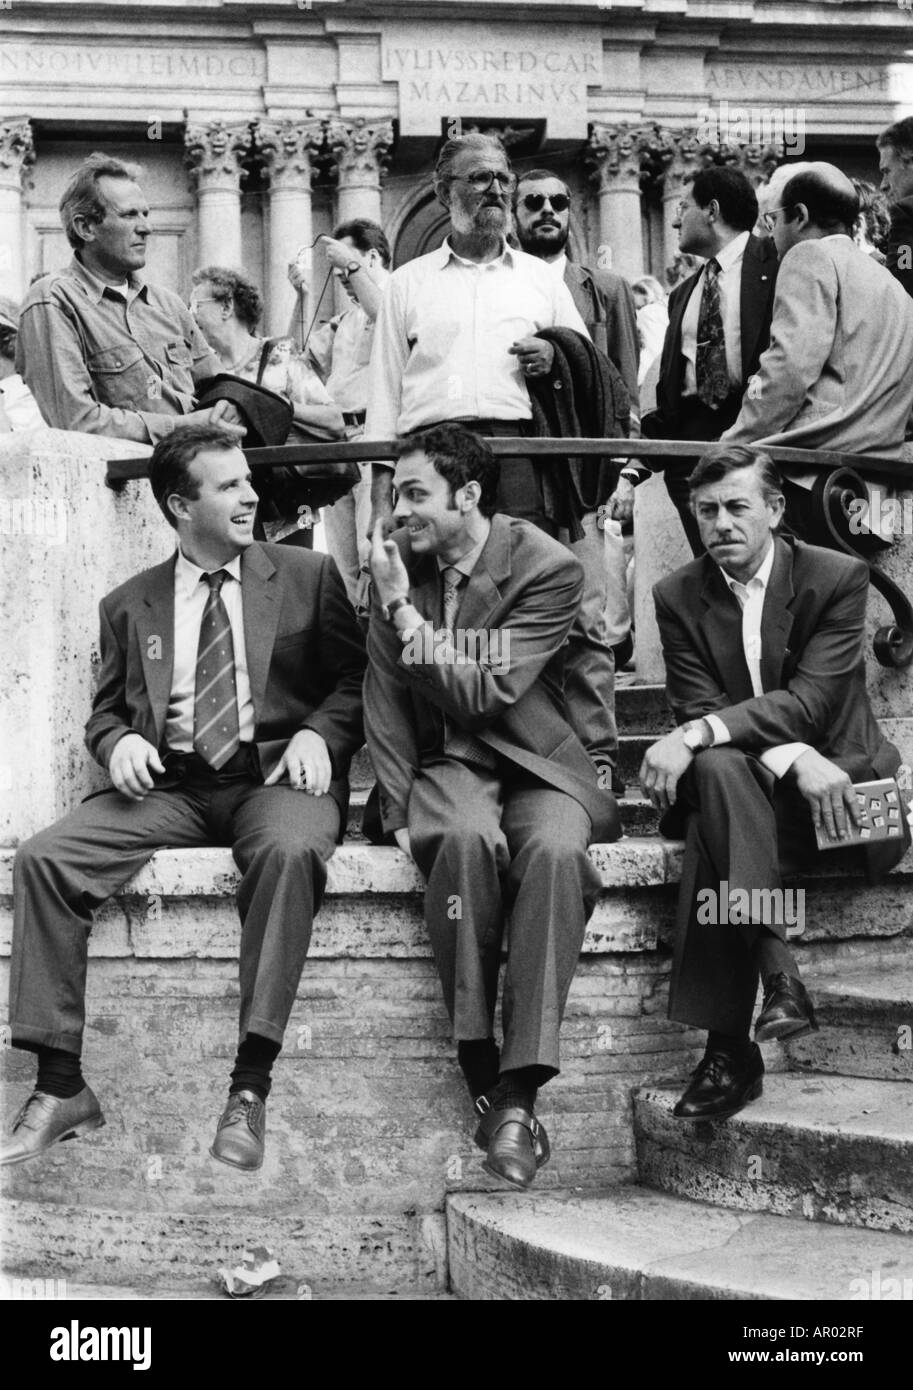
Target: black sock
<point>480,1062</point>
<point>253,1065</point>
<point>519,1087</point>
<point>59,1072</point>
<point>737,1045</point>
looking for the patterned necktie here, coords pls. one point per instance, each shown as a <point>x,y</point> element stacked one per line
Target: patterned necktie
<point>215,702</point>
<point>710,362</point>
<point>452,581</point>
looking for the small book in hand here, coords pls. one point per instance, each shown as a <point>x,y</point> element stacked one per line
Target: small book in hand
<point>882,816</point>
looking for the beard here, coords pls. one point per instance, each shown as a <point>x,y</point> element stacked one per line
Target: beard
<point>486,218</point>
<point>543,241</point>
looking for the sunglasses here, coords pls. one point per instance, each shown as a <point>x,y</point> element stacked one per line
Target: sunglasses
<point>534,202</point>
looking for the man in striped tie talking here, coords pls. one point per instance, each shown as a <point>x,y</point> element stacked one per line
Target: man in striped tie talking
<point>227,711</point>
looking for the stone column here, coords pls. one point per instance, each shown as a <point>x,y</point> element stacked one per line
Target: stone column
<point>286,147</point>
<point>16,154</point>
<point>360,152</point>
<point>614,157</point>
<point>214,154</point>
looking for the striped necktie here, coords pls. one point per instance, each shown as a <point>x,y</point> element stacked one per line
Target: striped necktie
<point>452,581</point>
<point>215,703</point>
<point>710,362</point>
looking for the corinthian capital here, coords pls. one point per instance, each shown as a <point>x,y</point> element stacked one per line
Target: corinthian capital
<point>213,152</point>
<point>615,155</point>
<point>360,150</point>
<point>287,149</point>
<point>17,151</point>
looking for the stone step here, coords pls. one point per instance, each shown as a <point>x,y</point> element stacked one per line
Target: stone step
<point>864,1005</point>
<point>208,1288</point>
<point>642,709</point>
<point>833,1149</point>
<point>634,1244</point>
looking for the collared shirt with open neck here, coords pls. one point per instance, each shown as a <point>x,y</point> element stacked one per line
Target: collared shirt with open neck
<point>100,362</point>
<point>750,597</point>
<point>443,333</point>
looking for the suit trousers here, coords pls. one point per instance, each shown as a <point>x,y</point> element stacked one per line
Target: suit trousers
<point>281,839</point>
<point>744,830</point>
<point>491,843</point>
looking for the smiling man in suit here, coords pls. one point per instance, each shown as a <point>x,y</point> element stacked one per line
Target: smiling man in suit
<point>480,774</point>
<point>228,708</point>
<point>719,324</point>
<point>763,643</point>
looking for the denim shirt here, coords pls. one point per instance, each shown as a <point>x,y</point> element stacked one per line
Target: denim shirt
<point>101,363</point>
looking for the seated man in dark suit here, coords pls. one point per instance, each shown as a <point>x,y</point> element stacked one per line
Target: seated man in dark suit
<point>228,708</point>
<point>763,642</point>
<point>480,774</point>
<point>719,324</point>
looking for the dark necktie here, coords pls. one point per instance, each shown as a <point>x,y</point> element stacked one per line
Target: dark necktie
<point>710,362</point>
<point>452,580</point>
<point>215,703</point>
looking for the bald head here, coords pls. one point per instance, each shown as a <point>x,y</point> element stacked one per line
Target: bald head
<point>828,196</point>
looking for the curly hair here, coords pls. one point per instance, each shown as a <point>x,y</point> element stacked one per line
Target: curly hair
<point>234,288</point>
<point>460,457</point>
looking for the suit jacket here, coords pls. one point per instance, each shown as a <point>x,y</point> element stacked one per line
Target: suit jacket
<point>305,657</point>
<point>900,243</point>
<point>837,372</point>
<point>524,585</point>
<point>605,302</point>
<point>812,663</point>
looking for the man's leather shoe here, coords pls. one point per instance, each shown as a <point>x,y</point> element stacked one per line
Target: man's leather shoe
<point>721,1085</point>
<point>787,1010</point>
<point>516,1143</point>
<point>45,1120</point>
<point>240,1135</point>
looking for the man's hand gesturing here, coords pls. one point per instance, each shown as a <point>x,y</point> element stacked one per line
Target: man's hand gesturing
<point>391,579</point>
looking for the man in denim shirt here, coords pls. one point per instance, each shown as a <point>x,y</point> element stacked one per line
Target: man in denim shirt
<point>102,351</point>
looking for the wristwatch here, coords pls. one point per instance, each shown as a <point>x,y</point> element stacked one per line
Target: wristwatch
<point>393,607</point>
<point>351,268</point>
<point>697,734</point>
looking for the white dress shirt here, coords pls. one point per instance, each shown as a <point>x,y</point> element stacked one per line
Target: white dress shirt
<point>729,280</point>
<point>443,333</point>
<point>751,600</point>
<point>190,594</point>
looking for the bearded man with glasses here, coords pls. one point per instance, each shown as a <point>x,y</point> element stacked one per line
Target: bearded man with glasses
<point>455,337</point>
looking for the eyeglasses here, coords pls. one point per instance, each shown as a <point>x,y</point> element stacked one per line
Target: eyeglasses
<point>770,218</point>
<point>481,181</point>
<point>534,202</point>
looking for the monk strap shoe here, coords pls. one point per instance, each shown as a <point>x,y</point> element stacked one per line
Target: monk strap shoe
<point>515,1142</point>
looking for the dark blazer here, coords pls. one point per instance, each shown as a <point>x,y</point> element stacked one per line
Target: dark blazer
<point>305,657</point>
<point>812,663</point>
<point>756,298</point>
<point>899,258</point>
<point>528,586</point>
<point>605,302</point>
